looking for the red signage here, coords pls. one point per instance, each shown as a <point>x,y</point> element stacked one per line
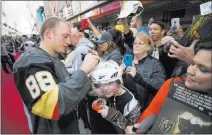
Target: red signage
<point>110,8</point>
<point>145,1</point>
<point>96,13</point>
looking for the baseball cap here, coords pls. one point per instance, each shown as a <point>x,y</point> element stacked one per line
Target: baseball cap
<point>104,37</point>
<point>130,7</point>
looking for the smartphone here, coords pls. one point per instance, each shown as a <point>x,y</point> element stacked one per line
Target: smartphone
<point>128,60</point>
<point>175,23</point>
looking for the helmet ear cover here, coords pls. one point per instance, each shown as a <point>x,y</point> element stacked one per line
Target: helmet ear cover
<point>118,81</point>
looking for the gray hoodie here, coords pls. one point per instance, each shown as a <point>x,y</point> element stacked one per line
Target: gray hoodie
<point>82,48</point>
<point>115,55</point>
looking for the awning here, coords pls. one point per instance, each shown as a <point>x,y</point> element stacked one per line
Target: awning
<point>110,8</point>
<point>170,5</point>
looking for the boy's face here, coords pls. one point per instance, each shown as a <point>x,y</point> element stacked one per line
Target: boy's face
<point>156,32</point>
<point>107,90</point>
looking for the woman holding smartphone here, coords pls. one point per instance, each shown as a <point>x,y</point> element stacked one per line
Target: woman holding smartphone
<point>146,75</point>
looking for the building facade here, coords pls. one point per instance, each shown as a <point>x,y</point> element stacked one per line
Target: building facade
<point>105,13</point>
<point>7,28</point>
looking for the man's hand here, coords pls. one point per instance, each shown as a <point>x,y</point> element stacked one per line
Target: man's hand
<point>89,75</point>
<point>170,32</point>
<point>167,39</point>
<point>89,63</point>
<point>180,32</point>
<point>182,53</point>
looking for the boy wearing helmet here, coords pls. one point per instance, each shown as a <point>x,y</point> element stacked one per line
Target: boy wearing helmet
<point>117,104</point>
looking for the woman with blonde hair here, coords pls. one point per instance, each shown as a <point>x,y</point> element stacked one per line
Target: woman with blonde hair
<point>147,74</point>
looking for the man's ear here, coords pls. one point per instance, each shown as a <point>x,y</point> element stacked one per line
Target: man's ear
<point>48,33</point>
<point>163,32</point>
<point>138,23</point>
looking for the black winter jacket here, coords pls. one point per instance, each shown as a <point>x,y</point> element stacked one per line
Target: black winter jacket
<point>150,75</point>
<point>167,62</point>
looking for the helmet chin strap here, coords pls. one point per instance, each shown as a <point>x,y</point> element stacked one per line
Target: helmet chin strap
<point>120,92</point>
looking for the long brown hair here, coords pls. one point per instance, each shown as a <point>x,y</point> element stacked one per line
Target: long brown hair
<point>111,47</point>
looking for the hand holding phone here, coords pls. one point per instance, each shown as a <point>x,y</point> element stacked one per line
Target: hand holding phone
<point>128,60</point>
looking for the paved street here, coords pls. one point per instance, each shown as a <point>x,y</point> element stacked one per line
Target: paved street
<point>82,129</point>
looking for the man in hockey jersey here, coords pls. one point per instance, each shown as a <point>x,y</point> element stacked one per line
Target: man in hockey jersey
<point>49,94</point>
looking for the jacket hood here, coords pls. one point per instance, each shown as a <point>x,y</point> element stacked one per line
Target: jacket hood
<point>85,42</point>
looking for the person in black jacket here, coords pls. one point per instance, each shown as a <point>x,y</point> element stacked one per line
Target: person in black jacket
<point>157,33</point>
<point>174,57</point>
<point>147,74</point>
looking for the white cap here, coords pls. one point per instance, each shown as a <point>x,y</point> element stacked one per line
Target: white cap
<point>106,72</point>
<point>130,7</point>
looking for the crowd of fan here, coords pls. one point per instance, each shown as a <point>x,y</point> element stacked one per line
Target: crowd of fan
<point>11,45</point>
<point>121,99</point>
<point>158,56</point>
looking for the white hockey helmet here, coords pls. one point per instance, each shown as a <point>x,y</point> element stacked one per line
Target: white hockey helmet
<point>106,72</point>
<point>131,8</point>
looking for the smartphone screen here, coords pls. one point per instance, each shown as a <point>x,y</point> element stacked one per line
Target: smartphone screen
<point>128,60</point>
<point>175,23</point>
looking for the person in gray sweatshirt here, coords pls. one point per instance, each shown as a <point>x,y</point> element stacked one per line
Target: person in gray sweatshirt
<point>82,47</point>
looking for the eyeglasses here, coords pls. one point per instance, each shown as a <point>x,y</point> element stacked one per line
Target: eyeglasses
<point>139,44</point>
<point>101,85</point>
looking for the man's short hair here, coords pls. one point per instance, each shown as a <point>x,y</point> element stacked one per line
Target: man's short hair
<point>161,24</point>
<point>49,23</point>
